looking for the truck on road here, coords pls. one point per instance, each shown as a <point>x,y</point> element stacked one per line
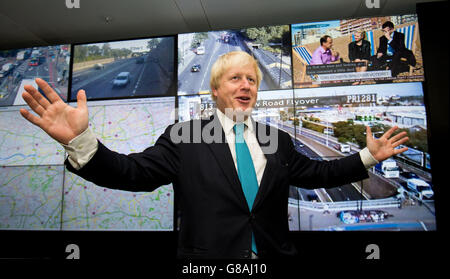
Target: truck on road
<point>22,55</point>
<point>388,168</point>
<point>420,188</point>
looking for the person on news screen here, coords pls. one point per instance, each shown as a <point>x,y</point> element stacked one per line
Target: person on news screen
<point>232,190</point>
<point>391,49</point>
<point>359,50</point>
<point>324,54</point>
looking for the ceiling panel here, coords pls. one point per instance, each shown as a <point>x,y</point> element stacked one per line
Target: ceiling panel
<point>26,23</point>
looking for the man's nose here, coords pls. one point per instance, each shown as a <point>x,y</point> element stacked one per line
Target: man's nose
<point>245,84</point>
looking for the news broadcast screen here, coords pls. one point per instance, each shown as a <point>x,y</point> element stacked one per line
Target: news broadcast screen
<point>329,124</point>
<point>358,51</point>
<point>197,52</point>
<point>38,193</point>
<point>121,69</point>
<point>19,67</point>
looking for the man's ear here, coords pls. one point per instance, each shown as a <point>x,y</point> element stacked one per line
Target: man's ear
<point>214,90</point>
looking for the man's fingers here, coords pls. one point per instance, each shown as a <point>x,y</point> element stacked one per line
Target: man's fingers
<point>398,136</point>
<point>81,99</point>
<point>49,92</point>
<point>33,104</point>
<point>401,150</point>
<point>30,117</point>
<point>37,96</point>
<point>388,134</point>
<point>397,143</point>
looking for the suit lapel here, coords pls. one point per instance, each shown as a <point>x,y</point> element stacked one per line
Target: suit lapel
<point>269,170</point>
<point>221,152</point>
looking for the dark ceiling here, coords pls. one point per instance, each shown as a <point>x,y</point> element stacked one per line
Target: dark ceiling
<point>25,23</point>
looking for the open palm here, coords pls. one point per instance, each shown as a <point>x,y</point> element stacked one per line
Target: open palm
<point>59,120</point>
<point>384,147</point>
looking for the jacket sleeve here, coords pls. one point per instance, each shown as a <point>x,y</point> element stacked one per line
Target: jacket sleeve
<point>145,171</point>
<point>307,173</point>
<point>351,55</point>
<point>382,46</point>
<point>366,50</point>
<point>398,43</point>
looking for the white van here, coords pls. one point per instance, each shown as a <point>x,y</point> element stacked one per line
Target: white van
<point>201,50</point>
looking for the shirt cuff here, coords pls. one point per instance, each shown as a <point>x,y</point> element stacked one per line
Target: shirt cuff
<point>81,149</point>
<point>367,158</point>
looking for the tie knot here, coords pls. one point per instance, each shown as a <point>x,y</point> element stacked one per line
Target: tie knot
<point>239,128</point>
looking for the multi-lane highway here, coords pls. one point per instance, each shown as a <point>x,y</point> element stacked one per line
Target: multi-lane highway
<point>194,82</point>
<point>149,75</point>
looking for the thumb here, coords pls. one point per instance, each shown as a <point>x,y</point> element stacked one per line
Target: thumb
<point>81,99</point>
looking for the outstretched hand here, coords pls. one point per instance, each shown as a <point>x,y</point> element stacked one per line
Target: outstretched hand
<point>59,120</point>
<point>384,147</point>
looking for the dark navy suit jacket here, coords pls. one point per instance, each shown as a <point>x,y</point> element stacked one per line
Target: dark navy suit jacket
<point>216,221</point>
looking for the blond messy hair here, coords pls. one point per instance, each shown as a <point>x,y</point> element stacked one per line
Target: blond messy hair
<point>227,60</point>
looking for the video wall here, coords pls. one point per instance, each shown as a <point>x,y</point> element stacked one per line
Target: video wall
<point>323,82</point>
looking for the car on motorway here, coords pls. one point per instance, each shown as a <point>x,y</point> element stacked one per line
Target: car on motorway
<point>33,62</point>
<point>196,68</point>
<point>344,148</point>
<point>6,69</point>
<point>200,50</point>
<point>99,66</point>
<point>409,175</point>
<point>122,79</point>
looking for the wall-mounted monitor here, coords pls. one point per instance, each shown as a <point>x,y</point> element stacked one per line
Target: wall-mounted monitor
<point>197,52</point>
<point>124,69</point>
<point>19,67</point>
<point>330,123</point>
<point>357,51</point>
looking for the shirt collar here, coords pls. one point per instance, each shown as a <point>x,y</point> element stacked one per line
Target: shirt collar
<point>322,50</point>
<point>228,123</point>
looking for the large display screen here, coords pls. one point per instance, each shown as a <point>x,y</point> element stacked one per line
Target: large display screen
<point>19,67</point>
<point>120,69</point>
<point>37,192</point>
<point>398,195</point>
<point>197,52</point>
<point>357,51</point>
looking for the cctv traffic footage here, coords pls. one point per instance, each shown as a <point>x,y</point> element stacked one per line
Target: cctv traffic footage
<point>198,51</point>
<point>20,67</point>
<point>398,195</point>
<point>347,70</point>
<point>132,68</point>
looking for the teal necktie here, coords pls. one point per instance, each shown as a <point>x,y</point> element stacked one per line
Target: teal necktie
<point>246,171</point>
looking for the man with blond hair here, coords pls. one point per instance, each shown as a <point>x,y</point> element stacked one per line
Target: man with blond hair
<point>233,190</point>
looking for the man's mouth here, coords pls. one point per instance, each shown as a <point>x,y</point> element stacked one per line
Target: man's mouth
<point>243,99</point>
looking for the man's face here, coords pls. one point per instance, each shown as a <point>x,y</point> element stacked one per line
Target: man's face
<point>237,89</point>
<point>328,44</point>
<point>358,37</point>
<point>388,30</point>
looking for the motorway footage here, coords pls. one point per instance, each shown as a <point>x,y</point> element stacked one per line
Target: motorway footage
<point>124,68</point>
